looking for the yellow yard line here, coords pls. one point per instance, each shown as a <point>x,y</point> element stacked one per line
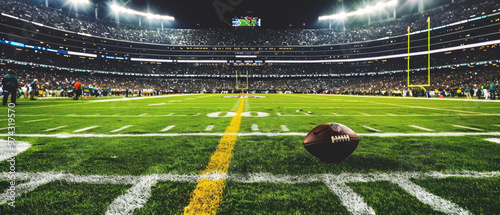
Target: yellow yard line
<point>207,196</point>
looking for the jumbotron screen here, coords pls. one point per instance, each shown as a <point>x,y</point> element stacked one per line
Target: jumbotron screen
<point>246,21</point>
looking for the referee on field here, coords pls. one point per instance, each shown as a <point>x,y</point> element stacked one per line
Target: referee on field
<point>10,84</point>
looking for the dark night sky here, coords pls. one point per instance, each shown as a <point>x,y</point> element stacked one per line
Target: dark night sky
<point>274,13</point>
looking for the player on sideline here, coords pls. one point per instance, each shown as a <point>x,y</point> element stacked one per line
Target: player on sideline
<point>10,84</point>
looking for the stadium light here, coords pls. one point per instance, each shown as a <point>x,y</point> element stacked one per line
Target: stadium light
<point>77,2</point>
<point>359,12</point>
<point>121,9</point>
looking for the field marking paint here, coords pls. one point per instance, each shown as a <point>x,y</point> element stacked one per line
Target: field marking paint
<point>335,114</point>
<point>135,197</point>
<point>497,125</point>
<point>350,199</point>
<point>8,128</point>
<point>209,127</point>
<point>168,128</point>
<point>394,97</point>
<point>284,128</point>
<point>157,104</point>
<point>279,114</point>
<point>446,134</point>
<point>120,129</point>
<point>429,108</point>
<point>56,128</point>
<point>235,107</point>
<point>86,129</point>
<point>421,128</point>
<point>116,114</point>
<point>391,114</point>
<point>255,127</point>
<point>135,98</point>
<point>170,114</point>
<point>144,114</point>
<point>6,151</point>
<point>365,114</point>
<point>207,195</point>
<point>141,189</point>
<point>404,115</point>
<point>495,140</point>
<point>435,202</point>
<point>470,128</point>
<point>370,128</point>
<point>37,120</point>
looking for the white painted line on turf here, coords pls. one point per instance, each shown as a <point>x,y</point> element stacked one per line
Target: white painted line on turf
<point>497,125</point>
<point>449,134</point>
<point>209,128</point>
<point>279,114</point>
<point>370,128</point>
<point>156,104</point>
<point>390,114</point>
<point>255,127</point>
<point>134,198</point>
<point>144,114</point>
<point>421,128</point>
<point>116,114</point>
<point>24,188</point>
<point>350,199</point>
<point>170,114</point>
<point>470,128</point>
<point>168,128</point>
<point>121,129</point>
<point>135,98</point>
<point>8,128</point>
<point>7,152</point>
<point>56,128</point>
<point>335,114</point>
<point>365,114</point>
<point>86,129</point>
<point>284,128</point>
<point>435,202</point>
<point>495,140</point>
<point>37,120</point>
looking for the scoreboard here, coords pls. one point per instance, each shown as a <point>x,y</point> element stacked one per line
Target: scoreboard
<point>246,21</point>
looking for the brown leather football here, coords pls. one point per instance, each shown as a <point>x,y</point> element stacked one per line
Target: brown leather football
<point>331,142</point>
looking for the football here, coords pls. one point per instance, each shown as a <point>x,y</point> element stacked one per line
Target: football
<point>331,142</point>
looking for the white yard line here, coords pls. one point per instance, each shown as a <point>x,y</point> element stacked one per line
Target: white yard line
<point>435,202</point>
<point>495,140</point>
<point>86,129</point>
<point>1,129</point>
<point>390,114</point>
<point>144,114</point>
<point>279,114</point>
<point>370,128</point>
<point>350,199</point>
<point>120,129</point>
<point>470,128</point>
<point>134,98</point>
<point>56,128</point>
<point>255,127</point>
<point>284,128</point>
<point>448,134</point>
<point>37,120</point>
<point>421,128</point>
<point>168,128</point>
<point>209,128</point>
<point>136,197</point>
<point>140,192</point>
<point>365,114</point>
<point>6,150</point>
<point>156,104</point>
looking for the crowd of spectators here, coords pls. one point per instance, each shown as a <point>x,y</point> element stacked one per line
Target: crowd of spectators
<point>447,14</point>
<point>446,81</point>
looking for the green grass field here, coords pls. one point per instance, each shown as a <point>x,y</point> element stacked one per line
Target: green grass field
<point>145,156</point>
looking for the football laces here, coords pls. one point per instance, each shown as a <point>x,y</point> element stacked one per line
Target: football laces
<point>340,139</point>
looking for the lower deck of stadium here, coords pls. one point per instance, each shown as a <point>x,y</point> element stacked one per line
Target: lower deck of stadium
<point>147,154</point>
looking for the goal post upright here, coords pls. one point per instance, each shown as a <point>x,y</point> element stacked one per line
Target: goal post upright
<point>428,57</point>
<point>237,85</point>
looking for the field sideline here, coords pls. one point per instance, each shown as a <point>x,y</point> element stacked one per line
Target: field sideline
<point>146,155</point>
